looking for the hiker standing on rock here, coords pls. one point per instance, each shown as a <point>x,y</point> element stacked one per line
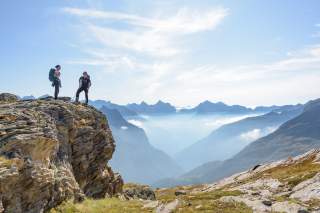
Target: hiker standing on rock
<point>84,85</point>
<point>54,77</point>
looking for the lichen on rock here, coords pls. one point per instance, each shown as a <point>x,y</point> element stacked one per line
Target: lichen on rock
<point>52,151</point>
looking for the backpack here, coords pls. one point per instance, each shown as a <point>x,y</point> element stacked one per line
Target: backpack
<point>51,74</point>
<point>86,82</point>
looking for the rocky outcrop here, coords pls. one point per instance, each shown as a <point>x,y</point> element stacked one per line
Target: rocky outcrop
<point>290,185</point>
<point>135,191</point>
<point>51,151</point>
<point>7,97</point>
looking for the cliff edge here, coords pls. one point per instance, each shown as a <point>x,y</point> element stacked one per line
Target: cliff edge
<point>53,151</point>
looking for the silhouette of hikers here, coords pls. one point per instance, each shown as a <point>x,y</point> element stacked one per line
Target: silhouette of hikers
<point>54,77</point>
<point>84,85</point>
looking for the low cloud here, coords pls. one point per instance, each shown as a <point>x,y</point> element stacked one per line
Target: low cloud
<point>136,123</point>
<point>255,134</point>
<point>124,127</point>
<point>251,135</point>
<point>226,120</point>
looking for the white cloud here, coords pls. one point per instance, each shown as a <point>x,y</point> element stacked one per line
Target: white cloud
<point>136,123</point>
<point>143,42</point>
<point>226,120</point>
<point>124,127</point>
<point>157,37</point>
<point>251,135</point>
<point>113,62</point>
<point>148,53</point>
<point>307,62</point>
<point>255,134</point>
<point>184,21</point>
<point>152,46</point>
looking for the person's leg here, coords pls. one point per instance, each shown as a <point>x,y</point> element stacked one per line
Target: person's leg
<point>56,91</point>
<point>86,90</point>
<point>78,93</point>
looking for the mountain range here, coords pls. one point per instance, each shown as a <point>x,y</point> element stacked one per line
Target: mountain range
<point>207,107</point>
<point>229,139</point>
<point>158,108</point>
<point>161,107</point>
<point>292,138</point>
<point>124,111</point>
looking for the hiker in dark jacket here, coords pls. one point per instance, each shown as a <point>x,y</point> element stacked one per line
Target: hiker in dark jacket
<point>54,77</point>
<point>84,85</point>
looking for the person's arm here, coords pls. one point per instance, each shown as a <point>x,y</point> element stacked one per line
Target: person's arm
<point>80,82</point>
<point>89,83</point>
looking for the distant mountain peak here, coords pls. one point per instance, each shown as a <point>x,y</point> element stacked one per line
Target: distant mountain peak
<point>161,102</point>
<point>206,102</point>
<point>312,104</point>
<point>28,97</point>
<point>143,103</point>
<point>159,108</point>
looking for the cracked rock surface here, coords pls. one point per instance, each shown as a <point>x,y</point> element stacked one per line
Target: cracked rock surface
<point>51,151</point>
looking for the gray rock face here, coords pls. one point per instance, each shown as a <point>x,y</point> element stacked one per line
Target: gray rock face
<point>139,192</point>
<point>8,97</point>
<point>307,190</point>
<point>51,151</point>
<point>270,187</point>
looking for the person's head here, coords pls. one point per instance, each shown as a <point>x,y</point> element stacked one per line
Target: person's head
<point>85,74</point>
<point>58,67</point>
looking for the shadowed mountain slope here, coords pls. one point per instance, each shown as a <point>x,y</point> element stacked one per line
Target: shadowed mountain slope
<point>135,157</point>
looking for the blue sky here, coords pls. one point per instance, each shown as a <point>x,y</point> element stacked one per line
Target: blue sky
<point>246,52</point>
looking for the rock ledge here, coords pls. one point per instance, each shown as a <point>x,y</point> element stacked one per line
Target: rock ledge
<point>51,151</point>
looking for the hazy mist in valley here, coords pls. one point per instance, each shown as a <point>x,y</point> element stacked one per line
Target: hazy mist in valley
<point>173,133</point>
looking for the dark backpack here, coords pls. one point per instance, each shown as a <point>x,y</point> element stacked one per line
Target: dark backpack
<point>51,74</point>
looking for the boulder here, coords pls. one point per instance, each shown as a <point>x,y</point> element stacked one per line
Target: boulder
<point>135,191</point>
<point>7,97</point>
<point>52,151</point>
<point>267,202</point>
<point>180,192</point>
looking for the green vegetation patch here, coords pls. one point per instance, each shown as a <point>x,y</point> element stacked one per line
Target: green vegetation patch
<point>215,206</point>
<point>168,194</point>
<point>284,198</point>
<point>7,163</point>
<point>133,186</point>
<point>213,195</point>
<point>203,201</point>
<point>209,201</point>
<point>110,205</point>
<point>291,174</point>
